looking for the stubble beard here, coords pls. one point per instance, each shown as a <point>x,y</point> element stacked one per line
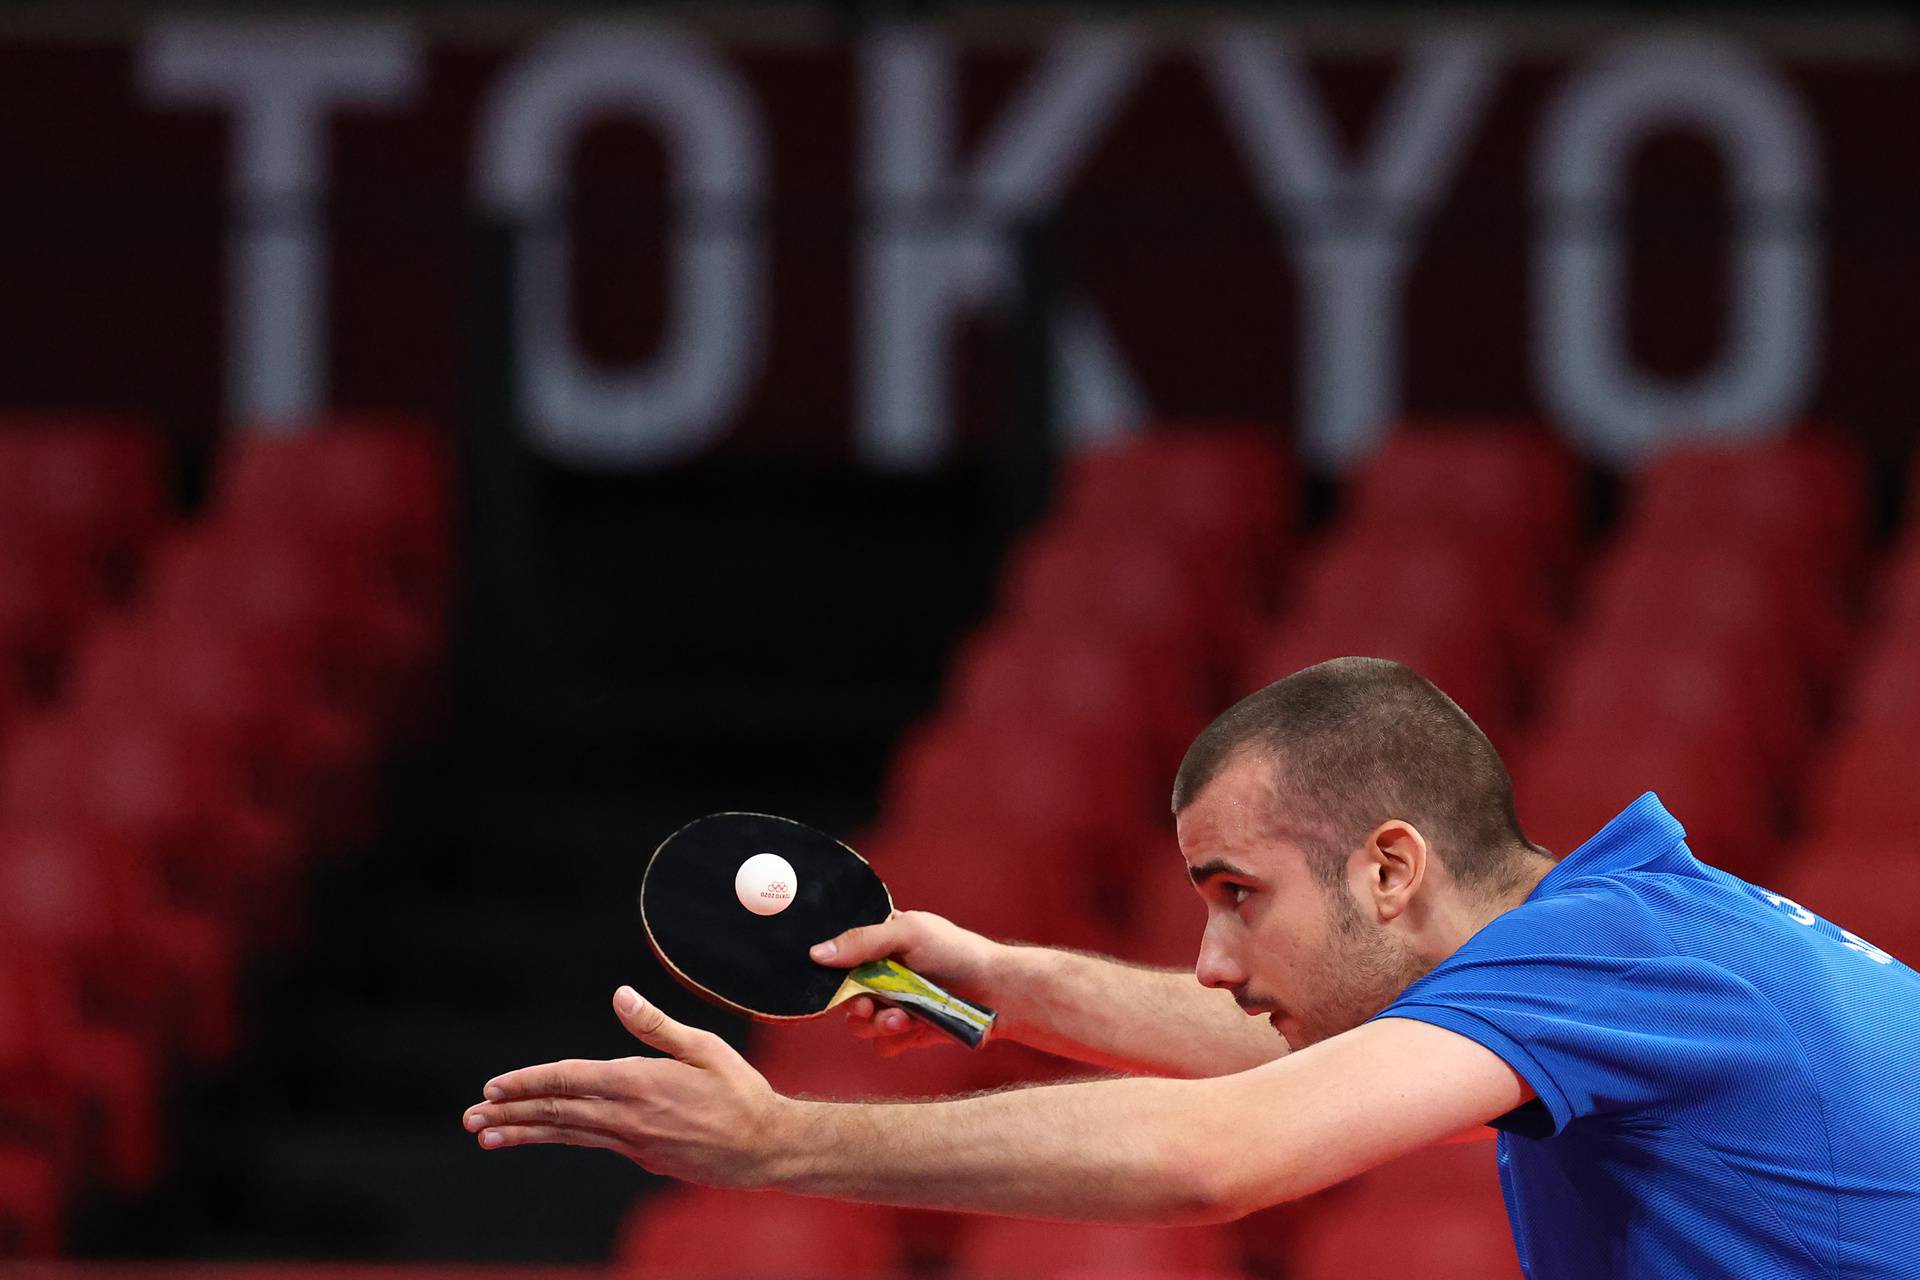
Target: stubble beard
<point>1362,972</point>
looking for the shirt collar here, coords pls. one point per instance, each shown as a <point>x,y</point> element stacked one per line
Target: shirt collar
<point>1641,831</point>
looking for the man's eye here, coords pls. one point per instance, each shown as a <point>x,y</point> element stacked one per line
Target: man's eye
<point>1238,893</point>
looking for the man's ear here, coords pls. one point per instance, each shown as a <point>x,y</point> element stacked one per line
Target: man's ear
<point>1395,861</point>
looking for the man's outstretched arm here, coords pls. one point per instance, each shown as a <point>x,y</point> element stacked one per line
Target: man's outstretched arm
<point>1138,1150</point>
<point>1090,1008</point>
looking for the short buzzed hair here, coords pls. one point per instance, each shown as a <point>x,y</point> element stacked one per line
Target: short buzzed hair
<point>1361,741</point>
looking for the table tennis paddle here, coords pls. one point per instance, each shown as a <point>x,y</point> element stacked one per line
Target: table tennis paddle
<point>758,964</point>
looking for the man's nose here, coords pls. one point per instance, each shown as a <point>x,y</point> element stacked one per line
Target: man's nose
<point>1218,965</point>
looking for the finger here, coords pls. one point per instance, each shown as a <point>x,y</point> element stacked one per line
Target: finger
<point>892,1046</point>
<point>878,1021</point>
<point>857,946</point>
<point>860,1017</point>
<point>579,1113</point>
<point>885,1025</point>
<point>525,1135</point>
<point>573,1078</point>
<point>650,1025</point>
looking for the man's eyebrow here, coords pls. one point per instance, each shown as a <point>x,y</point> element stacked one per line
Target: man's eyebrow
<point>1209,870</point>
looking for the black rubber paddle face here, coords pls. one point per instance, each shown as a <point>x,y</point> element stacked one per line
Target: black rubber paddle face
<point>757,964</point>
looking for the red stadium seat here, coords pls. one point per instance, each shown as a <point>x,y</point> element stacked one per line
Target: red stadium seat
<point>702,1232</point>
<point>273,583</point>
<point>48,589</point>
<point>1438,572</point>
<point>1441,1239</point>
<point>1084,679</point>
<point>260,694</point>
<point>1643,685</point>
<point>15,703</point>
<point>375,647</point>
<point>1367,577</point>
<point>1011,881</point>
<point>1863,779</point>
<point>95,480</point>
<point>1165,916</point>
<point>1847,877</point>
<point>993,1248</point>
<point>1717,593</point>
<point>140,964</point>
<point>1884,690</point>
<point>40,1109</point>
<point>372,488</point>
<point>180,799</point>
<point>1229,491</point>
<point>1450,1221</point>
<point>1462,1174</point>
<point>1801,499</point>
<point>1131,583</point>
<point>32,1204</point>
<point>1896,603</point>
<point>1019,782</point>
<point>112,1075</point>
<point>1511,481</point>
<point>1571,783</point>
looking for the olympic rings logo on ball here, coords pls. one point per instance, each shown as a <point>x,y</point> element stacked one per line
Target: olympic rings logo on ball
<point>765,884</point>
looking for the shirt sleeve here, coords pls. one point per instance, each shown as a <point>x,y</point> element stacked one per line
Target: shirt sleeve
<point>1601,1020</point>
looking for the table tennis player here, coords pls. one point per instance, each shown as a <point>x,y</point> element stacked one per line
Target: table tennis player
<point>1688,1075</point>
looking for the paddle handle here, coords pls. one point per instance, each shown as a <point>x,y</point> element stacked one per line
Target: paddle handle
<point>896,984</point>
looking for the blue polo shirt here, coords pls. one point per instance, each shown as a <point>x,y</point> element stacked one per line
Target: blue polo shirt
<point>1728,1085</point>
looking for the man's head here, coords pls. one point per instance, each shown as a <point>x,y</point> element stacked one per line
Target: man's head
<point>1348,826</point>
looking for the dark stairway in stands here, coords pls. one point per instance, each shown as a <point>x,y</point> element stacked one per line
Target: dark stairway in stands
<point>662,647</point>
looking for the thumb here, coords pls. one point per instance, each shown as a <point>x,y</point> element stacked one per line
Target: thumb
<point>857,946</point>
<point>651,1026</point>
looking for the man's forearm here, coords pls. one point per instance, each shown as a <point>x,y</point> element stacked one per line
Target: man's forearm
<point>1127,1017</point>
<point>1106,1150</point>
<point>1140,1150</point>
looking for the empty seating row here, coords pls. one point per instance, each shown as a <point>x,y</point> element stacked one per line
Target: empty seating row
<point>202,703</point>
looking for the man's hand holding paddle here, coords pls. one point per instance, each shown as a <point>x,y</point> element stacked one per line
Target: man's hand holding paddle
<point>958,959</point>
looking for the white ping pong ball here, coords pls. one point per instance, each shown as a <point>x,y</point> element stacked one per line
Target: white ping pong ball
<point>765,884</point>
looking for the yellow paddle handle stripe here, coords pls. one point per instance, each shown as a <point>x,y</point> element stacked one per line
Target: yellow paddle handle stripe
<point>898,985</point>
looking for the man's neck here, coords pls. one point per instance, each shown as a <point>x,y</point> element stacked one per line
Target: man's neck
<point>1533,869</point>
<point>1470,914</point>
